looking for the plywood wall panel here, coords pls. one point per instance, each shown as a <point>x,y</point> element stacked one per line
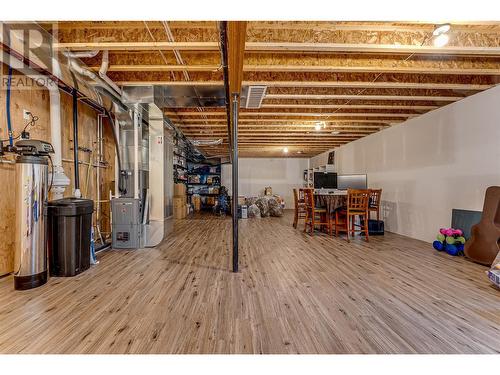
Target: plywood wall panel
<point>37,101</point>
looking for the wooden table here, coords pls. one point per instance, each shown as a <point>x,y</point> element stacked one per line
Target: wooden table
<point>331,201</point>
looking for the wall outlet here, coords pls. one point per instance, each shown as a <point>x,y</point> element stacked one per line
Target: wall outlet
<point>26,114</point>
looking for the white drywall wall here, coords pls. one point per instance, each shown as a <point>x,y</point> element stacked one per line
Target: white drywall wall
<point>282,174</point>
<point>429,165</point>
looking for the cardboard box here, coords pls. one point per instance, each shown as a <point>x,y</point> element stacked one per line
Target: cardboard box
<point>179,190</point>
<point>180,212</point>
<point>179,201</point>
<point>241,200</point>
<point>196,200</point>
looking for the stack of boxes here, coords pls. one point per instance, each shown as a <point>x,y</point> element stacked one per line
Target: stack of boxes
<point>180,209</point>
<point>196,200</point>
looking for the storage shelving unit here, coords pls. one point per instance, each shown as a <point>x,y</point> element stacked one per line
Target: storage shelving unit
<point>204,180</point>
<point>180,161</point>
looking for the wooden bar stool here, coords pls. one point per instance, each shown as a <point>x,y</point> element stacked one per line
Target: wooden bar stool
<point>300,206</point>
<point>357,205</point>
<point>314,215</point>
<point>374,202</point>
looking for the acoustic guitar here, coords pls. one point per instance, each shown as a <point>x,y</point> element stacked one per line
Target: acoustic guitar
<point>483,246</point>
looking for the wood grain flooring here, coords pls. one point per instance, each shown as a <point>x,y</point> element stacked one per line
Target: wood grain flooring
<point>294,294</point>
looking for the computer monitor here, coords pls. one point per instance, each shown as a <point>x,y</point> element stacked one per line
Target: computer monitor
<point>352,181</point>
<point>325,180</point>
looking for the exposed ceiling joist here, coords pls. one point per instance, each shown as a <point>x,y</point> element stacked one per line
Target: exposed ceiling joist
<point>160,68</point>
<point>357,84</point>
<point>282,128</point>
<point>365,69</point>
<point>284,47</point>
<point>470,26</point>
<point>137,46</point>
<point>304,68</point>
<point>289,114</point>
<point>350,106</point>
<point>370,48</point>
<point>364,97</point>
<point>263,122</point>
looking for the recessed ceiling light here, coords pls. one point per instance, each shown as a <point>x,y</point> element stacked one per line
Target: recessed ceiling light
<point>441,29</point>
<point>441,40</point>
<point>317,127</point>
<point>335,132</point>
<point>299,152</point>
<point>285,150</point>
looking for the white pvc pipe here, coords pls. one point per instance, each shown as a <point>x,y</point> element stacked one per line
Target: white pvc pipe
<point>104,69</point>
<point>117,166</point>
<point>136,153</point>
<point>110,85</point>
<point>59,178</point>
<point>81,54</point>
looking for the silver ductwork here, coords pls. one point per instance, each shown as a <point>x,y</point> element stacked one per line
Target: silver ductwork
<point>179,96</point>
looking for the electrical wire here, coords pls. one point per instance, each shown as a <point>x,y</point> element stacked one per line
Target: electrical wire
<point>31,122</point>
<point>51,172</point>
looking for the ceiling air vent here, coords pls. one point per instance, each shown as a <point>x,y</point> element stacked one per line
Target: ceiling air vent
<point>255,95</point>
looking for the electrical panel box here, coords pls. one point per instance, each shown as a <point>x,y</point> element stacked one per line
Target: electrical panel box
<point>127,223</point>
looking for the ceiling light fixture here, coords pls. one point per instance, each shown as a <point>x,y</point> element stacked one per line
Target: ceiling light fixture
<point>335,132</point>
<point>285,150</point>
<point>317,127</point>
<point>441,38</point>
<point>441,29</point>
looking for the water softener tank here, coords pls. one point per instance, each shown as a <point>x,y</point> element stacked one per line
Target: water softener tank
<point>30,260</point>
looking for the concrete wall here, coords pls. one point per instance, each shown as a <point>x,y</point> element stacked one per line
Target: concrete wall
<point>282,174</point>
<point>429,165</point>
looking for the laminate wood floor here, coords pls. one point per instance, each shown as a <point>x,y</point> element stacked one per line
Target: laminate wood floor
<point>294,294</point>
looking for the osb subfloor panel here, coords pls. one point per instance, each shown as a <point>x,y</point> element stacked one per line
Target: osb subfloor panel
<point>294,294</point>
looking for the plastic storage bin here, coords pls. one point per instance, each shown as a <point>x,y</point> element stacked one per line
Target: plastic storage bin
<point>69,222</point>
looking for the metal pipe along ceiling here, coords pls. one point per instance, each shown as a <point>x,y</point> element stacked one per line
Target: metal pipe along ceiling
<point>225,70</point>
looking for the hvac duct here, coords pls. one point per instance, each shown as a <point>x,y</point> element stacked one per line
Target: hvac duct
<point>104,69</point>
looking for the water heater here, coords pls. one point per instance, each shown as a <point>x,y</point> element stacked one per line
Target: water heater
<point>30,260</point>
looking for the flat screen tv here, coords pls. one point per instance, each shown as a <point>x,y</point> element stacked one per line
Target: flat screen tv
<point>325,180</point>
<point>352,181</point>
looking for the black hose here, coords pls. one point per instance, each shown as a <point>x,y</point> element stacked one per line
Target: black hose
<point>51,173</point>
<point>75,140</point>
<point>121,175</point>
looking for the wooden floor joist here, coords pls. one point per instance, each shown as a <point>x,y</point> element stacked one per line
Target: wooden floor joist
<point>356,77</point>
<point>291,122</point>
<point>364,97</point>
<point>302,68</point>
<point>283,47</point>
<point>353,84</point>
<point>350,106</point>
<point>294,114</point>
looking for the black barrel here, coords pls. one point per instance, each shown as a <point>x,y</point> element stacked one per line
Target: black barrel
<point>69,230</point>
